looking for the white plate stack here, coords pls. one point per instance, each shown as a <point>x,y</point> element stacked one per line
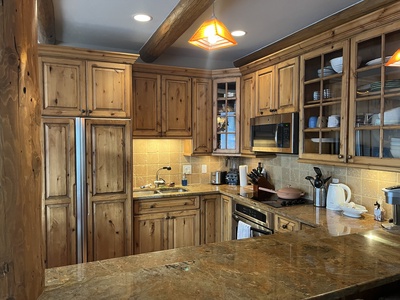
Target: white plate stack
<point>395,147</point>
<point>327,71</point>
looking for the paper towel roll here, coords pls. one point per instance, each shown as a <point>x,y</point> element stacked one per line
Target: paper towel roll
<point>243,175</point>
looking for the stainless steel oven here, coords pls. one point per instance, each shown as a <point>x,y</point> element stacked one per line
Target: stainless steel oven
<point>261,222</point>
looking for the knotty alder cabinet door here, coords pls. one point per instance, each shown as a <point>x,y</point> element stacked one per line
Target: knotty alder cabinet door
<point>108,147</point>
<point>161,224</point>
<point>59,192</point>
<point>72,85</point>
<point>162,105</point>
<point>247,106</point>
<point>277,88</point>
<point>226,218</point>
<point>211,218</point>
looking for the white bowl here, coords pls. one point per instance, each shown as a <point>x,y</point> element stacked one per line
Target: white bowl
<point>392,116</point>
<point>395,152</point>
<point>337,64</point>
<point>353,210</point>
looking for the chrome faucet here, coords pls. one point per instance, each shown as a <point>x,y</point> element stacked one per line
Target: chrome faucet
<point>158,180</point>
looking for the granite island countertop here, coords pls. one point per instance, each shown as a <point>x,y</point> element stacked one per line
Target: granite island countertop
<point>307,264</point>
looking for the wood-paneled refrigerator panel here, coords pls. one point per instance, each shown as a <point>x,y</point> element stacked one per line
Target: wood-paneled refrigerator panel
<point>108,146</point>
<point>58,192</point>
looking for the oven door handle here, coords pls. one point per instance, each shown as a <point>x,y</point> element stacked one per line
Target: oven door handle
<point>237,218</point>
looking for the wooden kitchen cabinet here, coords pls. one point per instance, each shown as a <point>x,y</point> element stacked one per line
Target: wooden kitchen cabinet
<point>226,115</point>
<point>108,144</point>
<point>277,88</point>
<point>201,142</point>
<point>248,111</point>
<point>162,105</point>
<point>324,93</point>
<point>161,224</point>
<point>211,218</point>
<point>374,109</point>
<point>226,218</point>
<point>58,192</point>
<point>78,82</point>
<point>283,224</point>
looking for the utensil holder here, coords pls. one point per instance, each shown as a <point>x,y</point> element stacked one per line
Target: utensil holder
<point>319,197</point>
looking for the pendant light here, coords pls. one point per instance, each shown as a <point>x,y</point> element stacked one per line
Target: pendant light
<point>394,61</point>
<point>212,34</point>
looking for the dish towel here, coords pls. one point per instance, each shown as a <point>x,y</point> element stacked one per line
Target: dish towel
<point>243,231</point>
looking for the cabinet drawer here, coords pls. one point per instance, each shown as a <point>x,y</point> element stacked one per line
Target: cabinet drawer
<point>283,224</point>
<point>166,204</point>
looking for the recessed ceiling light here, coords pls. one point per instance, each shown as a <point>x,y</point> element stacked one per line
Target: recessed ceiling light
<point>238,33</point>
<point>142,18</point>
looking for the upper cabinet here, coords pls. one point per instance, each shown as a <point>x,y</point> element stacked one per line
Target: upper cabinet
<point>323,98</point>
<point>78,82</point>
<point>374,112</point>
<point>162,105</point>
<point>226,115</point>
<point>247,106</point>
<point>277,88</point>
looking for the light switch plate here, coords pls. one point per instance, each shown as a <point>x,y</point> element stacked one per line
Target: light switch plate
<point>187,169</point>
<point>203,169</point>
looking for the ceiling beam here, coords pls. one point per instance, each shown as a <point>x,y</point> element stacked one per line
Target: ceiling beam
<point>358,10</point>
<point>46,22</point>
<point>177,22</point>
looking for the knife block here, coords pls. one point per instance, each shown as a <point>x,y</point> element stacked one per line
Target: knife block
<point>259,194</point>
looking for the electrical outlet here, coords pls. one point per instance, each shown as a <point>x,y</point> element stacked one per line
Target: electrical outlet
<point>187,169</point>
<point>203,169</point>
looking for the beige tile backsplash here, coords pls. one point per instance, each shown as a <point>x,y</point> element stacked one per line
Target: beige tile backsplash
<point>150,154</point>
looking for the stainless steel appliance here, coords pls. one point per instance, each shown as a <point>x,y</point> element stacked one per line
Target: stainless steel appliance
<point>392,196</point>
<point>218,177</point>
<point>261,222</point>
<point>276,133</point>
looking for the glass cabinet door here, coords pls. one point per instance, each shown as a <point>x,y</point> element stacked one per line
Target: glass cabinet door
<point>374,133</point>
<point>323,97</point>
<point>226,110</point>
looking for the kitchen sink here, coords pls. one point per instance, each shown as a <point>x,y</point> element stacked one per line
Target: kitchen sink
<point>171,190</point>
<point>144,193</point>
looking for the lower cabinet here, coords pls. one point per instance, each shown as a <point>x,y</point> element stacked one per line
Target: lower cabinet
<point>211,216</point>
<point>161,224</point>
<point>226,218</point>
<point>284,224</point>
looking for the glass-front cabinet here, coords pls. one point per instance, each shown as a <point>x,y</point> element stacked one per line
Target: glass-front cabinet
<point>323,99</point>
<point>226,111</point>
<point>374,110</point>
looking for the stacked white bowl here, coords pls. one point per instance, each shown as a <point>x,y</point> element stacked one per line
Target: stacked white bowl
<point>337,64</point>
<point>395,147</point>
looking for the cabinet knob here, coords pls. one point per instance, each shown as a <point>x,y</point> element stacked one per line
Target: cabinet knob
<point>83,111</point>
<point>90,111</point>
<point>349,156</point>
<point>340,156</point>
<point>261,112</point>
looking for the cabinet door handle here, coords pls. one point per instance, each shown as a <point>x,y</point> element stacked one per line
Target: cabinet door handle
<point>340,156</point>
<point>90,111</point>
<point>349,156</point>
<point>261,112</point>
<point>167,217</point>
<point>83,111</point>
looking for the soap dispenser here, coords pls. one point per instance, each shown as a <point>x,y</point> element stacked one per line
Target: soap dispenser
<point>184,180</point>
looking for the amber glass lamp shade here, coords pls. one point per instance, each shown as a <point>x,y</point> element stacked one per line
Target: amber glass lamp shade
<point>394,61</point>
<point>212,35</point>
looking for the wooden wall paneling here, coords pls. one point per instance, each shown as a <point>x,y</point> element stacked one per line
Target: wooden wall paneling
<point>21,247</point>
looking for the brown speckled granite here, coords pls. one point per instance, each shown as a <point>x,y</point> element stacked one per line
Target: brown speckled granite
<point>300,265</point>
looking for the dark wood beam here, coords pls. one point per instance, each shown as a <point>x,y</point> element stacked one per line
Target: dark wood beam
<point>46,23</point>
<point>178,21</point>
<point>340,18</point>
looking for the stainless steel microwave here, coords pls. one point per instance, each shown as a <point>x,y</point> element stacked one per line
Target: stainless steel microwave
<point>275,133</point>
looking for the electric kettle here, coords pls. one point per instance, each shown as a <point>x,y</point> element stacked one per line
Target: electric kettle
<point>336,195</point>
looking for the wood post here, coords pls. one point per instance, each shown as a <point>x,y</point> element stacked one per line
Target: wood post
<point>21,262</point>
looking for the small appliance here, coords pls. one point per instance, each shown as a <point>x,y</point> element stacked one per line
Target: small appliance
<point>218,177</point>
<point>392,196</point>
<point>336,195</point>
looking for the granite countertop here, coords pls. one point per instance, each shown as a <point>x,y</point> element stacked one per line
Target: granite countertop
<point>307,264</point>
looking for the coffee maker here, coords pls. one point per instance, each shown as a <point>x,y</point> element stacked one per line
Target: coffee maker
<point>392,196</point>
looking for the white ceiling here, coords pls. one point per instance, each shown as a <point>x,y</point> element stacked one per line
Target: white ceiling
<point>108,25</point>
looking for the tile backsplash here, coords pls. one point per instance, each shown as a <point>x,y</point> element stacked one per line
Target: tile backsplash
<point>151,154</point>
